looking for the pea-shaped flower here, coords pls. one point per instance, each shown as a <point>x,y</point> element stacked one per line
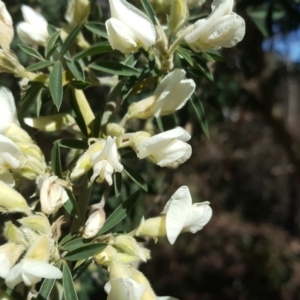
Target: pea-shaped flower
<point>34,30</point>
<point>165,148</point>
<point>128,28</point>
<point>222,28</point>
<point>170,95</point>
<point>6,27</point>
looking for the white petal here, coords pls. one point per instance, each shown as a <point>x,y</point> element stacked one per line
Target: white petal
<point>14,277</point>
<point>120,36</point>
<point>41,269</point>
<point>177,210</point>
<point>8,112</point>
<point>32,34</point>
<point>9,152</point>
<point>7,178</point>
<point>199,216</point>
<point>124,289</point>
<point>34,18</point>
<point>135,20</point>
<point>5,266</point>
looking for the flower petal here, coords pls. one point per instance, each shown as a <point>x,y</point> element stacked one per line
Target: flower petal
<point>41,269</point>
<point>177,210</point>
<point>9,152</point>
<point>34,18</point>
<point>8,113</point>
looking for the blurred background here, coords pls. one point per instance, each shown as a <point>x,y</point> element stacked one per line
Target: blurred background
<point>248,168</point>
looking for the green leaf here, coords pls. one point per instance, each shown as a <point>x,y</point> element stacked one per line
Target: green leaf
<point>114,68</point>
<point>212,55</point>
<point>80,85</point>
<point>70,39</point>
<point>85,251</point>
<point>120,212</point>
<point>47,286</point>
<point>56,160</point>
<point>51,44</point>
<point>67,238</point>
<point>96,49</point>
<point>200,71</point>
<point>40,65</point>
<point>55,84</point>
<point>117,183</point>
<point>76,69</point>
<point>186,55</point>
<point>97,28</point>
<point>199,113</point>
<point>76,244</point>
<point>136,177</point>
<point>73,144</point>
<point>71,205</point>
<point>76,113</point>
<point>149,10</point>
<point>68,284</point>
<point>31,94</point>
<point>30,51</point>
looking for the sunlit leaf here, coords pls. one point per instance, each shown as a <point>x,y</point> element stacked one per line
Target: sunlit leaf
<point>30,51</point>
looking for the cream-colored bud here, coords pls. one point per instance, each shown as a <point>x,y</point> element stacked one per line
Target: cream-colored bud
<point>130,246</point>
<point>77,11</point>
<point>138,138</point>
<point>106,256</point>
<point>179,15</point>
<point>153,227</point>
<point>119,270</point>
<point>9,63</point>
<point>14,234</point>
<point>53,194</point>
<point>11,201</point>
<point>17,134</point>
<point>83,163</point>
<point>38,223</point>
<point>6,27</point>
<point>114,129</point>
<point>29,234</point>
<point>39,250</point>
<point>141,109</point>
<point>9,254</point>
<point>94,223</point>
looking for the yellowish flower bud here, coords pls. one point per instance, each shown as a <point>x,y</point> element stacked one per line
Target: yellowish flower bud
<point>179,15</point>
<point>6,27</point>
<point>153,227</point>
<point>38,223</point>
<point>141,109</point>
<point>77,11</point>
<point>118,270</point>
<point>94,223</point>
<point>39,250</point>
<point>9,63</point>
<point>138,138</point>
<point>13,234</point>
<point>106,256</point>
<point>17,134</point>
<point>12,201</point>
<point>114,129</point>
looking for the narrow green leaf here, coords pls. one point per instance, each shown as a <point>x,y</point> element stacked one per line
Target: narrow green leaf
<point>212,55</point>
<point>114,68</point>
<point>68,284</point>
<point>77,114</point>
<point>149,10</point>
<point>200,71</point>
<point>199,113</point>
<point>73,144</point>
<point>70,39</point>
<point>96,49</point>
<point>97,28</point>
<point>71,205</point>
<point>47,286</point>
<point>186,55</point>
<point>80,85</point>
<point>56,160</point>
<point>76,69</point>
<point>40,65</point>
<point>136,177</point>
<point>117,183</point>
<point>30,97</point>
<point>67,238</point>
<point>30,51</point>
<point>76,244</point>
<point>39,102</point>
<point>51,44</point>
<point>120,212</point>
<point>85,251</point>
<point>55,84</point>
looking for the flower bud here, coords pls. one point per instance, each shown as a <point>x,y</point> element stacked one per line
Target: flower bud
<point>38,223</point>
<point>114,129</point>
<point>9,63</point>
<point>94,223</point>
<point>52,194</point>
<point>39,250</point>
<point>11,201</point>
<point>14,234</point>
<point>179,15</point>
<point>106,256</point>
<point>77,11</point>
<point>6,27</point>
<point>153,227</point>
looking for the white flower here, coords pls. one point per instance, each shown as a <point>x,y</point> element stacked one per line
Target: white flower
<point>94,222</point>
<point>128,28</point>
<point>170,95</point>
<point>167,147</point>
<point>77,11</point>
<point>124,289</point>
<point>30,272</point>
<point>222,28</point>
<point>8,112</point>
<point>52,195</point>
<point>5,264</point>
<point>106,162</point>
<point>184,216</point>
<point>6,27</point>
<point>34,29</point>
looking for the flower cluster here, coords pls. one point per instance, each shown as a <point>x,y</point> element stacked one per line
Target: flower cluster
<point>153,87</point>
